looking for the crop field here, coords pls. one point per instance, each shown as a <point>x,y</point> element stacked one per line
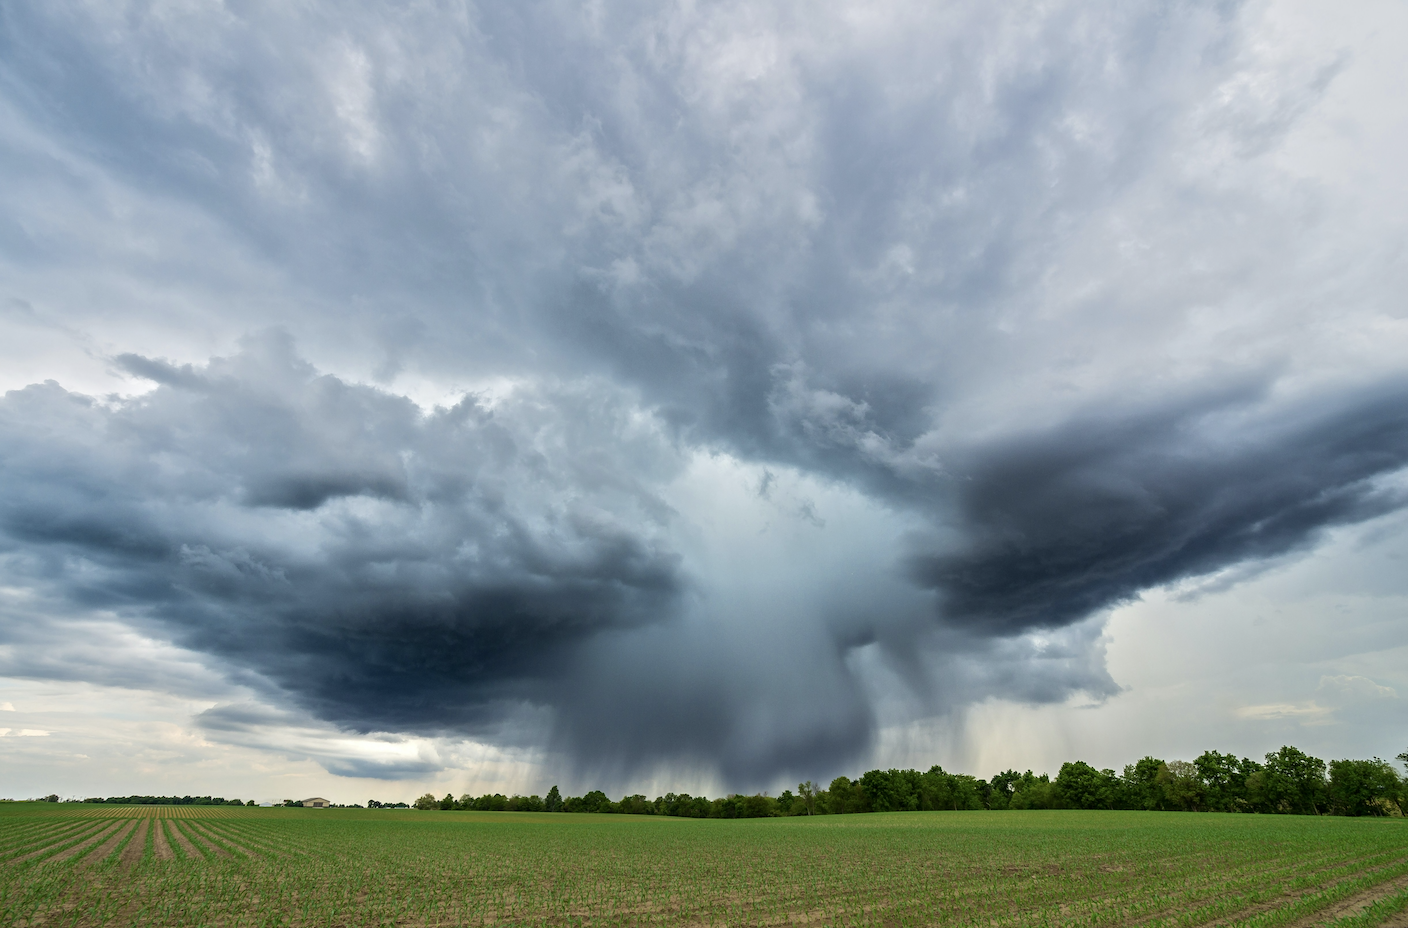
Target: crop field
<point>165,866</point>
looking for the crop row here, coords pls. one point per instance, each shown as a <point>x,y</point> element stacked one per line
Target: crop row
<point>1101,870</point>
<point>147,812</point>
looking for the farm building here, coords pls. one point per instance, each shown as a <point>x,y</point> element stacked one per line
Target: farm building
<point>316,803</point>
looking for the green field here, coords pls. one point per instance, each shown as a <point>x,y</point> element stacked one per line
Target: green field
<point>203,866</point>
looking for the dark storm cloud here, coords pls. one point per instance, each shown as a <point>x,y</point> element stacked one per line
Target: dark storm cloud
<point>1062,523</point>
<point>387,569</point>
<point>374,562</point>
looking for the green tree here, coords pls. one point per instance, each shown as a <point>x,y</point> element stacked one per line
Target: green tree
<point>427,801</point>
<point>755,806</point>
<point>594,801</point>
<point>554,801</point>
<point>448,802</point>
<point>889,791</point>
<point>1182,787</point>
<point>1034,792</point>
<point>1002,787</point>
<point>1363,787</point>
<point>936,791</point>
<point>807,792</point>
<point>838,797</point>
<point>635,805</point>
<point>1080,786</point>
<point>1140,786</point>
<point>1225,781</point>
<point>1293,782</point>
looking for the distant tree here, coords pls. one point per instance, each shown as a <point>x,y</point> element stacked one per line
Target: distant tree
<point>1080,786</point>
<point>886,791</point>
<point>845,796</point>
<point>755,806</point>
<point>594,801</point>
<point>635,805</point>
<point>1002,787</point>
<point>684,805</point>
<point>785,802</point>
<point>554,801</point>
<point>1293,782</point>
<point>427,801</point>
<point>250,802</point>
<point>1363,787</point>
<point>52,797</point>
<point>489,802</point>
<point>1225,781</point>
<point>1182,787</point>
<point>1139,788</point>
<point>807,792</point>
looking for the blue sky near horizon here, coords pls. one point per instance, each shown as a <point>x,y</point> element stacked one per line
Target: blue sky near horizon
<point>709,396</point>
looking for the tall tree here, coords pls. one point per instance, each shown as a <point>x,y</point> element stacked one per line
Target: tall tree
<point>1363,787</point>
<point>807,791</point>
<point>1081,786</point>
<point>1294,782</point>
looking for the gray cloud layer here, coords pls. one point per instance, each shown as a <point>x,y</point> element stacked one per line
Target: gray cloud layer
<point>1061,524</point>
<point>376,562</point>
<point>1022,281</point>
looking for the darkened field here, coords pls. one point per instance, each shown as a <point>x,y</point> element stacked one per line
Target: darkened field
<point>92,865</point>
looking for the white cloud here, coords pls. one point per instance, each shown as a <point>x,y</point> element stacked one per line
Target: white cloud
<point>1308,712</point>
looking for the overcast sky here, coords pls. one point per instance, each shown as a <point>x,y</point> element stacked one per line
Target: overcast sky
<point>702,396</point>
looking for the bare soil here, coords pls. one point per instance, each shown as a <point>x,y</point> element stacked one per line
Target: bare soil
<point>82,846</point>
<point>1355,904</point>
<point>107,847</point>
<point>51,840</point>
<point>182,841</point>
<point>160,847</point>
<point>193,837</point>
<point>209,833</point>
<point>135,848</point>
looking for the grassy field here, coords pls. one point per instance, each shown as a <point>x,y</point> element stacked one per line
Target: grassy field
<point>89,865</point>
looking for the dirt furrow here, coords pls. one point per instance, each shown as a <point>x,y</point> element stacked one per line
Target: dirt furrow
<point>264,844</point>
<point>195,835</point>
<point>1352,905</point>
<point>108,846</point>
<point>51,841</point>
<point>212,835</point>
<point>182,841</point>
<point>1398,920</point>
<point>78,848</point>
<point>160,847</point>
<point>137,847</point>
<point>49,836</point>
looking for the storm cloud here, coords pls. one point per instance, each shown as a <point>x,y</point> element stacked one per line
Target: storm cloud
<point>695,388</point>
<point>1060,524</point>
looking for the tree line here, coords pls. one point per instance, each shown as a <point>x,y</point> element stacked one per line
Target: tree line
<point>1288,782</point>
